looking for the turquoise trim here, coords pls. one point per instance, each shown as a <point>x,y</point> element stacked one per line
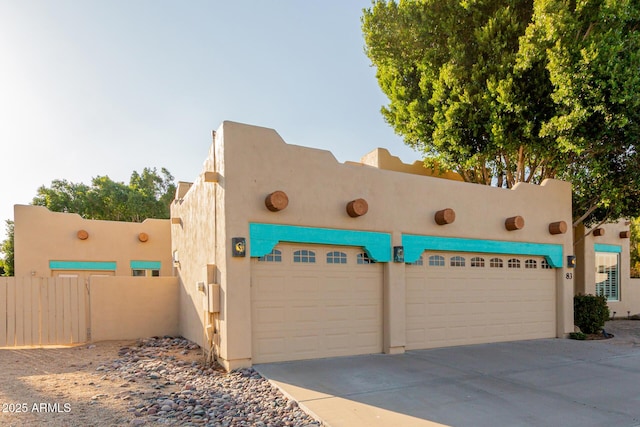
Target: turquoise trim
<point>415,245</point>
<point>145,265</point>
<point>599,247</point>
<point>82,265</point>
<point>264,237</point>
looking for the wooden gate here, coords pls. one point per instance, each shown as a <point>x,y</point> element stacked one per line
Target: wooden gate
<point>43,311</point>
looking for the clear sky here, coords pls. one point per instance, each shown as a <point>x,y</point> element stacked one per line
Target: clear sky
<point>96,87</point>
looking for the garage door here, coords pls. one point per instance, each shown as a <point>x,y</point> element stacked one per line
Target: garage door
<point>315,301</point>
<point>460,298</point>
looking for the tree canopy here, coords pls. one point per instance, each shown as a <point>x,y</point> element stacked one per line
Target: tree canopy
<point>6,247</point>
<point>148,195</point>
<point>517,91</point>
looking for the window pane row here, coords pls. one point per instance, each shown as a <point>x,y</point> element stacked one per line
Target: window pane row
<point>337,257</point>
<point>460,261</point>
<point>309,257</point>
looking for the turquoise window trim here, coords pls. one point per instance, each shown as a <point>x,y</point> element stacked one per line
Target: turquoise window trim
<point>414,245</point>
<point>599,247</point>
<point>264,237</point>
<point>82,265</point>
<point>145,265</point>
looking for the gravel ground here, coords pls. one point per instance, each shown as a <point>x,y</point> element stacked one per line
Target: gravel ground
<point>155,381</point>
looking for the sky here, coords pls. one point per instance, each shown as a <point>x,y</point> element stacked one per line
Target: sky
<point>92,88</point>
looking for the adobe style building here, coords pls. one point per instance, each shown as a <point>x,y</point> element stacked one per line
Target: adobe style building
<point>52,244</point>
<point>283,253</point>
<point>315,258</point>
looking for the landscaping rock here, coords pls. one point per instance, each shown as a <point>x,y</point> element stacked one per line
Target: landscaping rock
<point>202,395</point>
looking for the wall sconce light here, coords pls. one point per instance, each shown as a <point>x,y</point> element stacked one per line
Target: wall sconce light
<point>238,246</point>
<point>398,254</point>
<point>571,261</point>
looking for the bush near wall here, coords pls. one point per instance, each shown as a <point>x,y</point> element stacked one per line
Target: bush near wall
<point>590,312</point>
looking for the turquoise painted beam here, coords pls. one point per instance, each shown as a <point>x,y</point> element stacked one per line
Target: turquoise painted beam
<point>414,246</point>
<point>145,265</point>
<point>264,237</point>
<point>82,265</point>
<point>599,247</point>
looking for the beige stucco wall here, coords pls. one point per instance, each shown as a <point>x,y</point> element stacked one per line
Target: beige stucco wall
<point>382,159</point>
<point>586,267</point>
<point>133,307</point>
<point>252,162</point>
<point>198,239</point>
<point>42,236</point>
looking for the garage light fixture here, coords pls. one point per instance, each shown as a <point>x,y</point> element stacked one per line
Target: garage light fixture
<point>398,254</point>
<point>238,246</point>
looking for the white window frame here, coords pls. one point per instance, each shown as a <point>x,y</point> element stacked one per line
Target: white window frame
<point>363,258</point>
<point>418,262</point>
<point>146,272</point>
<point>477,261</point>
<point>336,257</point>
<point>436,261</point>
<point>496,263</point>
<point>273,256</point>
<point>608,275</point>
<point>304,256</point>
<point>457,261</point>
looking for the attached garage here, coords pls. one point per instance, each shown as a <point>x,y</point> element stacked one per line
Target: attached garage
<point>466,298</point>
<point>314,301</point>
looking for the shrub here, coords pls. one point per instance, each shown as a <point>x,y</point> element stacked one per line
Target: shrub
<point>577,336</point>
<point>590,312</point>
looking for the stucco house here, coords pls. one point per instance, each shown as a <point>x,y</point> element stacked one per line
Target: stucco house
<point>603,267</point>
<point>284,253</point>
<point>54,244</point>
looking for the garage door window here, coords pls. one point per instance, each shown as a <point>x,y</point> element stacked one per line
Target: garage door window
<point>304,256</point>
<point>363,258</point>
<point>274,256</point>
<point>436,261</point>
<point>545,265</point>
<point>531,263</point>
<point>416,262</point>
<point>336,257</point>
<point>477,262</point>
<point>457,261</point>
<point>496,263</point>
<point>513,263</point>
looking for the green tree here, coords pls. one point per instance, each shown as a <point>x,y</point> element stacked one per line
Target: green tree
<point>6,247</point>
<point>634,247</point>
<point>517,91</point>
<point>148,195</point>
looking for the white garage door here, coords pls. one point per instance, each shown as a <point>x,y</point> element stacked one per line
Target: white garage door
<point>460,298</point>
<point>311,301</point>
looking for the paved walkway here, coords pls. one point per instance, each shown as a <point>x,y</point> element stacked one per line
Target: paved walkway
<point>552,382</point>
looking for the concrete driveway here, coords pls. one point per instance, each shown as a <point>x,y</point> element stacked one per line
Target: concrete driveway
<point>551,382</point>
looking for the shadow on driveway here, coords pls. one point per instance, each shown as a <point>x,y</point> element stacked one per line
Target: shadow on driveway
<point>551,382</point>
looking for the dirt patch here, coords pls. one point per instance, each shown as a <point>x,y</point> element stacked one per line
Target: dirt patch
<point>68,386</point>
